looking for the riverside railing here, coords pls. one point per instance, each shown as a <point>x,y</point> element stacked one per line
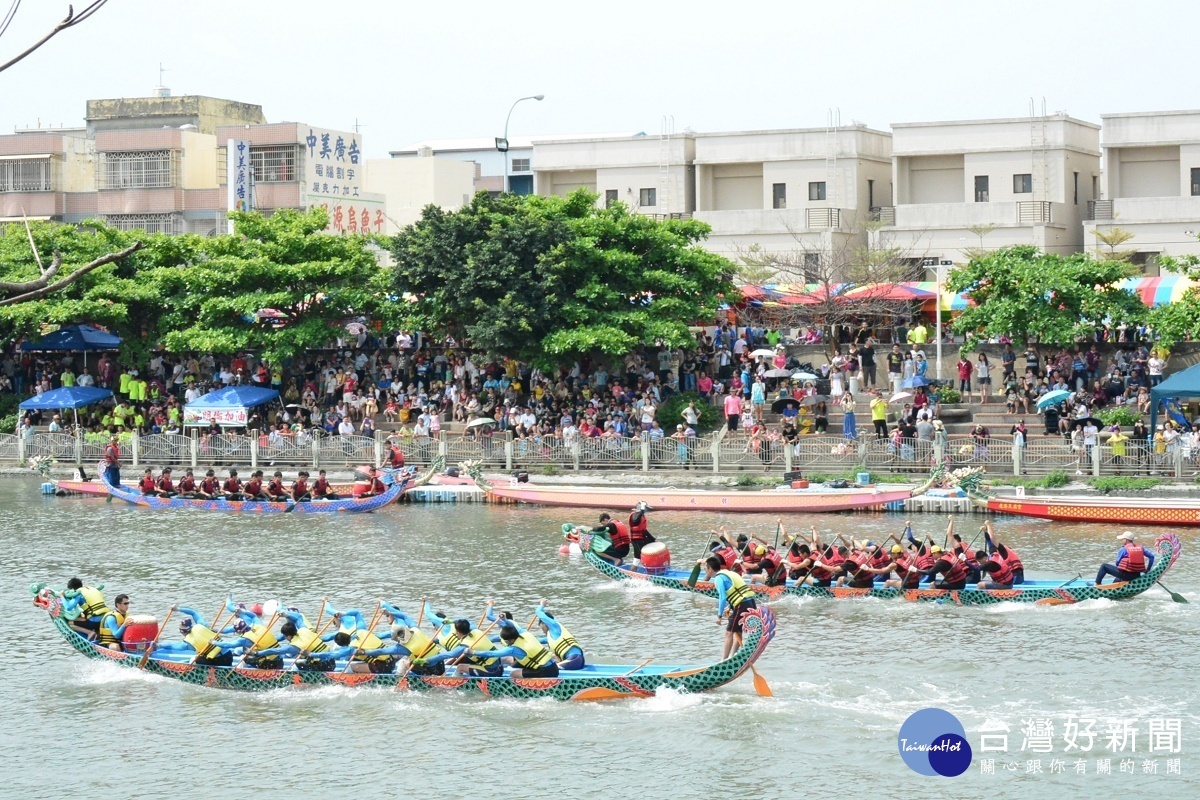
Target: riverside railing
<point>718,452</point>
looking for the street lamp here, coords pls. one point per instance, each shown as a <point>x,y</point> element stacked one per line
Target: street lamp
<point>502,144</point>
<point>941,278</point>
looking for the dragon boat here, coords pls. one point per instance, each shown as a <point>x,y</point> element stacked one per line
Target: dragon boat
<point>594,682</point>
<point>1171,512</point>
<point>1041,592</point>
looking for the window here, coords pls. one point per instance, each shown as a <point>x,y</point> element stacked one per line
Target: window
<point>150,223</point>
<point>139,169</point>
<point>647,197</point>
<point>520,165</point>
<point>274,164</point>
<point>870,194</point>
<point>816,190</point>
<point>610,197</point>
<point>1195,181</point>
<point>1023,184</point>
<point>1076,188</point>
<point>812,267</point>
<point>981,188</point>
<point>26,175</point>
<point>778,195</point>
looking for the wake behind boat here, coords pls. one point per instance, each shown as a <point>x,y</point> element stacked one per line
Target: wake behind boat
<point>1044,592</point>
<point>593,682</point>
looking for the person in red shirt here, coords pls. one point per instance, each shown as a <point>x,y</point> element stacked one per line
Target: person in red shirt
<point>254,488</point>
<point>233,486</point>
<point>321,490</point>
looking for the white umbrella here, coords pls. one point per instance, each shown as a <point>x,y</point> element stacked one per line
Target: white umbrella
<point>777,373</point>
<point>803,376</point>
<point>899,396</point>
<point>481,422</point>
<point>356,328</point>
<point>763,352</point>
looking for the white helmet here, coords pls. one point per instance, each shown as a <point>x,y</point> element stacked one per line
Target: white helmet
<point>401,632</point>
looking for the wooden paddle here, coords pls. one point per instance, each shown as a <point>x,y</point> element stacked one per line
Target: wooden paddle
<point>1178,598</point>
<point>154,642</point>
<point>305,653</point>
<point>253,647</point>
<point>635,669</point>
<point>363,638</point>
<point>216,629</point>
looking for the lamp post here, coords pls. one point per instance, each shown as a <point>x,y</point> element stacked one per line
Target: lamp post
<point>941,278</point>
<point>502,144</point>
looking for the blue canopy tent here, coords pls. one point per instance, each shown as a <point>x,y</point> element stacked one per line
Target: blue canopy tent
<point>1182,384</point>
<point>74,339</point>
<point>72,397</point>
<point>227,407</point>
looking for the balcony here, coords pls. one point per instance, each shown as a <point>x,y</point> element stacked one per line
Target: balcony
<point>1140,210</point>
<point>820,218</point>
<point>884,214</point>
<point>1099,210</point>
<point>1034,212</point>
<point>960,216</point>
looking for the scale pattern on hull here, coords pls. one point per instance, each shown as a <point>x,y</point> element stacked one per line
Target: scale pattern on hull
<point>351,505</point>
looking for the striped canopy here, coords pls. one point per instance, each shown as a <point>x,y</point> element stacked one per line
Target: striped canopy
<point>1159,291</point>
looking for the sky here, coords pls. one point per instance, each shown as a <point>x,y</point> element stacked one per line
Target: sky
<point>411,71</point>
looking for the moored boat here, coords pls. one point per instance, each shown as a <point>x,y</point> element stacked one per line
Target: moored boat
<point>1044,592</point>
<point>1109,510</point>
<point>594,682</point>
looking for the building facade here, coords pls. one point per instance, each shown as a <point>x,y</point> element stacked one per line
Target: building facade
<point>488,162</point>
<point>991,183</point>
<point>1151,185</point>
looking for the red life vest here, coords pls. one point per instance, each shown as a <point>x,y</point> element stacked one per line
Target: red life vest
<point>275,487</point>
<point>377,486</point>
<point>147,485</point>
<point>300,488</point>
<point>749,556</point>
<point>925,560</point>
<point>1133,561</point>
<point>395,457</point>
<point>1004,574</point>
<point>233,485</point>
<point>620,535</point>
<point>188,484</point>
<point>320,487</point>
<point>165,484</point>
<point>881,559</point>
<point>902,564</point>
<point>112,454</point>
<point>860,558</point>
<point>771,561</point>
<point>957,571</point>
<point>727,555</point>
<point>210,485</point>
<point>253,487</point>
<point>1014,560</point>
<point>969,554</point>
<point>832,561</point>
<point>638,530</point>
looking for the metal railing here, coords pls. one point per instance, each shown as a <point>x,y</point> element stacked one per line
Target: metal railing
<point>884,214</point>
<point>816,218</point>
<point>1099,210</point>
<point>718,452</point>
<point>1034,212</point>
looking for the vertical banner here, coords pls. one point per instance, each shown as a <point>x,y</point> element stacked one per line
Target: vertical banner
<point>334,180</point>
<point>238,177</point>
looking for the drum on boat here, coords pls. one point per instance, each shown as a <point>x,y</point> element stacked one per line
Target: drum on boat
<point>656,558</point>
<point>140,630</point>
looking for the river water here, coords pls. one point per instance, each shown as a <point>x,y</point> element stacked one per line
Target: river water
<point>845,674</point>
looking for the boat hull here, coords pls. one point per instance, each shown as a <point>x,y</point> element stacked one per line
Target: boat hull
<point>769,502</point>
<point>617,682</point>
<point>1042,592</point>
<point>1183,514</point>
<point>350,505</point>
<point>98,488</point>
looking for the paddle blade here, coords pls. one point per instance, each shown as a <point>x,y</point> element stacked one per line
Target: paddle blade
<point>693,577</point>
<point>760,684</point>
<point>1178,598</point>
<point>600,693</point>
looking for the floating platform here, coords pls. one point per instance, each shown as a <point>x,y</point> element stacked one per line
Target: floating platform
<point>434,493</point>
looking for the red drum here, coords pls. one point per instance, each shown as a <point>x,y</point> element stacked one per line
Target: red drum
<point>361,488</point>
<point>140,630</point>
<point>800,484</point>
<point>656,558</point>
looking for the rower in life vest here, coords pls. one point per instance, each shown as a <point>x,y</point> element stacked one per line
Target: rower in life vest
<point>233,486</point>
<point>968,557</point>
<point>769,569</point>
<point>395,458</point>
<point>354,640</point>
<point>639,532</point>
<point>950,567</point>
<point>198,642</point>
<point>857,569</point>
<point>1007,553</point>
<point>734,599</point>
<point>147,485</point>
<point>254,637</point>
<point>828,565</point>
<point>376,486</point>
<point>311,652</point>
<point>998,574</point>
<point>112,624</point>
<point>187,486</point>
<point>409,644</point>
<point>529,657</point>
<point>253,489</point>
<point>321,490</point>
<point>471,654</point>
<point>165,485</point>
<point>902,565</point>
<point>1133,561</point>
<point>300,490</point>
<point>567,650</point>
<point>209,487</point>
<point>799,560</point>
<point>275,488</point>
<point>619,536</point>
<point>89,600</point>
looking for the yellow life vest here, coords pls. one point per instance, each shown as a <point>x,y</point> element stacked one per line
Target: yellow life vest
<point>104,636</point>
<point>261,638</point>
<point>309,642</point>
<point>365,640</point>
<point>563,644</point>
<point>739,592</point>
<point>537,655</point>
<point>475,640</point>
<point>420,645</point>
<point>447,637</point>
<point>200,638</point>
<point>93,603</point>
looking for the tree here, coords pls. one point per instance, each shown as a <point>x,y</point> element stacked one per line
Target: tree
<point>1028,295</point>
<point>71,20</point>
<point>191,293</point>
<point>1178,321</point>
<point>549,278</point>
<point>1112,238</point>
<point>981,230</point>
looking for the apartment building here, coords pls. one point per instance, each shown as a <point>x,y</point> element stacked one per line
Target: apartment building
<point>991,183</point>
<point>801,195</point>
<point>46,174</point>
<point>1151,185</point>
<point>488,162</point>
<point>409,184</point>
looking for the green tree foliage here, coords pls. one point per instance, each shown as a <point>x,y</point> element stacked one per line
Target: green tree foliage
<point>548,278</point>
<point>1028,295</point>
<point>1178,321</point>
<point>204,294</point>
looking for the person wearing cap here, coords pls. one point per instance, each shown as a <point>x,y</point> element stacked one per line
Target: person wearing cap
<point>639,532</point>
<point>198,640</point>
<point>952,569</point>
<point>1133,560</point>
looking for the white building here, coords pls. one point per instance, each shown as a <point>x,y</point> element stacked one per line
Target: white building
<point>1152,184</point>
<point>410,184</point>
<point>487,160</point>
<point>1015,181</point>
